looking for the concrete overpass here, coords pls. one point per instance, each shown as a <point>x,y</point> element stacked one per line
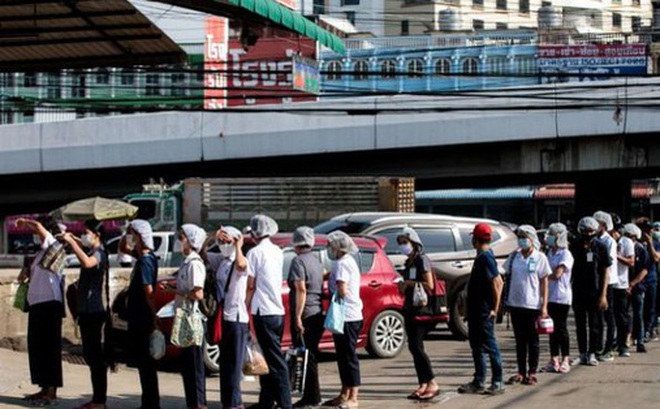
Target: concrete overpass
<point>598,135</point>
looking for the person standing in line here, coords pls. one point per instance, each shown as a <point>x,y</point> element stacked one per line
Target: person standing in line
<point>652,242</point>
<point>637,285</point>
<point>89,301</point>
<point>417,270</point>
<point>484,296</point>
<point>306,309</point>
<point>344,283</point>
<point>626,259</point>
<point>140,308</point>
<point>560,296</point>
<point>189,290</point>
<point>266,262</point>
<point>45,298</point>
<point>233,276</point>
<point>607,225</point>
<point>527,301</point>
<point>590,280</point>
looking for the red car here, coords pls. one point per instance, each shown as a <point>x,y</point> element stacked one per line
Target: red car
<point>383,333</point>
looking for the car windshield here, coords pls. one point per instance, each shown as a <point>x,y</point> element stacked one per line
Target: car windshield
<point>345,226</point>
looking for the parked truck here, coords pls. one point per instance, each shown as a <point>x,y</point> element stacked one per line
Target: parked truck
<point>213,202</point>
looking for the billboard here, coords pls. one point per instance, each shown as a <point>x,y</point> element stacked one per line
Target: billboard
<point>591,62</point>
<point>292,4</point>
<point>216,48</point>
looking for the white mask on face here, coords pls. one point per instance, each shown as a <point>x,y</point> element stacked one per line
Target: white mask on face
<point>86,240</point>
<point>406,249</point>
<point>227,250</point>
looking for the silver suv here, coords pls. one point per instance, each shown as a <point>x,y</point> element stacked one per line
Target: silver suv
<point>447,242</point>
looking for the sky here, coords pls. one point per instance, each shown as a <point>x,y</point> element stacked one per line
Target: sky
<point>182,25</point>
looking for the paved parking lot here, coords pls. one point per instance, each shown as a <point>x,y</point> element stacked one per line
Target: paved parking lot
<point>630,383</point>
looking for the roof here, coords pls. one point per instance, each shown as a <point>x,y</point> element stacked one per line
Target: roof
<point>370,217</point>
<point>567,191</point>
<point>42,35</point>
<point>476,194</point>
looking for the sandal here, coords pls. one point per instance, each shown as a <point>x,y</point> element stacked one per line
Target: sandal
<point>531,380</point>
<point>336,402</point>
<point>34,396</point>
<point>518,378</point>
<point>43,401</point>
<point>428,395</point>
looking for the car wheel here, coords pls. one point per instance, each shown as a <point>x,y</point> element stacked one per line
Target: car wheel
<point>212,358</point>
<point>458,324</point>
<point>387,335</point>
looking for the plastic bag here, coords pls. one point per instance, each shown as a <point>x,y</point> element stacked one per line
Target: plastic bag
<point>20,299</point>
<point>255,363</point>
<point>334,320</point>
<point>188,327</point>
<point>157,345</point>
<point>297,359</point>
<point>545,325</point>
<point>420,298</point>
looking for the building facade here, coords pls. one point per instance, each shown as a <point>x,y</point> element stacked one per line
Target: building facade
<point>368,16</point>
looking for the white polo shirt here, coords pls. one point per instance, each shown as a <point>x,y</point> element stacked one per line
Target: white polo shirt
<point>613,275</point>
<point>44,285</point>
<point>234,309</point>
<point>192,273</point>
<point>267,262</point>
<point>625,248</point>
<point>346,270</point>
<point>560,291</point>
<point>525,275</point>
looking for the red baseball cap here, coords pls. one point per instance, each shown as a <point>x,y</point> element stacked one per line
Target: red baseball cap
<point>483,231</point>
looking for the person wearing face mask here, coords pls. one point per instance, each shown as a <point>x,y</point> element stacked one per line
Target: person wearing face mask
<point>637,285</point>
<point>417,270</point>
<point>233,277</point>
<point>606,225</point>
<point>89,301</point>
<point>266,262</point>
<point>626,260</point>
<point>306,309</point>
<point>141,311</point>
<point>652,241</point>
<point>528,270</point>
<point>560,296</point>
<point>344,282</point>
<point>189,290</point>
<point>590,281</point>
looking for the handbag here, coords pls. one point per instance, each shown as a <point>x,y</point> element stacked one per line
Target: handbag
<point>254,364</point>
<point>297,359</point>
<point>188,327</point>
<point>334,320</point>
<point>420,298</point>
<point>54,258</point>
<point>437,303</point>
<point>20,299</point>
<point>157,344</point>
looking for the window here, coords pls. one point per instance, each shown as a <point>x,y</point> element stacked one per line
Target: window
<point>350,16</point>
<point>443,66</point>
<point>198,69</point>
<point>7,80</point>
<point>388,68</point>
<point>616,20</point>
<point>152,84</point>
<point>350,2</point>
<point>30,79</point>
<point>636,23</point>
<point>361,67</point>
<point>319,7</point>
<point>501,26</point>
<point>127,77</point>
<point>178,87</point>
<point>466,238</point>
<point>103,76</point>
<point>527,65</point>
<point>478,3</point>
<point>501,5</point>
<point>54,90</point>
<point>415,68</point>
<point>405,27</point>
<point>334,71</point>
<point>478,24</point>
<point>79,84</point>
<point>437,240</point>
<point>497,65</point>
<point>523,7</point>
<point>470,66</point>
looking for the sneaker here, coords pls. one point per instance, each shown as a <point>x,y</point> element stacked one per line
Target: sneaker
<point>592,360</point>
<point>606,357</point>
<point>494,389</point>
<point>581,360</point>
<point>565,366</point>
<point>624,353</point>
<point>515,379</point>
<point>472,388</point>
<point>641,349</point>
<point>552,366</point>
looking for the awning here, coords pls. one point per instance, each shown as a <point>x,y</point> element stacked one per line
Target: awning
<point>42,35</point>
<point>476,194</point>
<point>268,11</point>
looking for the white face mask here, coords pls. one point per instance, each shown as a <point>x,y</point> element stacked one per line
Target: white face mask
<point>86,240</point>
<point>227,250</point>
<point>406,249</point>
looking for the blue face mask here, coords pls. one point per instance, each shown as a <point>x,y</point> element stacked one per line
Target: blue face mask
<point>551,241</point>
<point>524,244</point>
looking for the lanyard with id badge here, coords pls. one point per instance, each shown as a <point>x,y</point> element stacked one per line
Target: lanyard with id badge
<point>531,266</point>
<point>590,257</point>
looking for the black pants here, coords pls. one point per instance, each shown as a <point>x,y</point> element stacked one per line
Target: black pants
<point>559,339</point>
<point>232,354</point>
<point>312,337</point>
<point>194,376</point>
<point>607,317</point>
<point>650,313</point>
<point>141,358</point>
<point>416,331</point>
<point>621,317</point>
<point>347,359</point>
<point>587,317</point>
<point>275,386</point>
<point>637,301</point>
<point>527,340</point>
<point>44,340</point>
<point>91,331</point>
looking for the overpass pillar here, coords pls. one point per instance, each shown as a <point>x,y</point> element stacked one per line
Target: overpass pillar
<point>598,192</point>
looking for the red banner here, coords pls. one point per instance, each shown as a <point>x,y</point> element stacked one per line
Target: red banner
<point>215,62</point>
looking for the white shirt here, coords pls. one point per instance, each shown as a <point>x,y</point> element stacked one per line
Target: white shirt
<point>192,274</point>
<point>45,285</point>
<point>234,309</point>
<point>613,275</point>
<point>560,291</point>
<point>626,248</point>
<point>525,279</point>
<point>267,262</point>
<point>346,270</point>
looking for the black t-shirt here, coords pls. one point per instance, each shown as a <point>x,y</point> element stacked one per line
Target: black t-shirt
<point>144,273</point>
<point>480,293</point>
<point>414,270</point>
<point>590,265</point>
<point>642,262</point>
<point>90,286</point>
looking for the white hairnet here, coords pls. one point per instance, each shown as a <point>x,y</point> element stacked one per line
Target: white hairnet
<point>262,226</point>
<point>143,228</point>
<point>196,235</point>
<point>411,234</point>
<point>561,232</point>
<point>604,218</point>
<point>588,224</point>
<point>631,229</point>
<point>530,232</point>
<point>342,242</point>
<point>303,236</point>
<point>232,231</point>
